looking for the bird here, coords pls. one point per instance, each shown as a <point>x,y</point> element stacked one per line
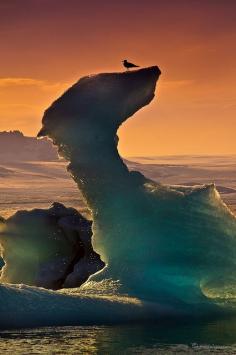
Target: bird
<point>129,65</point>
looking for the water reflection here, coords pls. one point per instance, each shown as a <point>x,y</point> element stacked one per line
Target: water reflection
<point>166,338</point>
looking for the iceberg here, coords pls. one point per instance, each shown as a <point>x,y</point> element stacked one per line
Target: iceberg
<point>169,244</point>
<point>169,250</point>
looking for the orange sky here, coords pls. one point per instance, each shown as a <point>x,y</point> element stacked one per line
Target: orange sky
<point>46,45</point>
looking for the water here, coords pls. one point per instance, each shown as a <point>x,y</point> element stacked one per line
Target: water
<point>216,337</point>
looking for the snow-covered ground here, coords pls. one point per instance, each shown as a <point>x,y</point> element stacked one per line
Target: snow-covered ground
<point>36,184</point>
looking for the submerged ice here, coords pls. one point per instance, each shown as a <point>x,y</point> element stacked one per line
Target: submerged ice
<point>168,249</point>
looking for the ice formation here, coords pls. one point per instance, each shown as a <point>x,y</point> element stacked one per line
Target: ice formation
<point>49,248</point>
<point>163,243</point>
<point>169,250</point>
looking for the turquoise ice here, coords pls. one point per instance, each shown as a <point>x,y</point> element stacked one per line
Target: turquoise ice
<point>165,244</point>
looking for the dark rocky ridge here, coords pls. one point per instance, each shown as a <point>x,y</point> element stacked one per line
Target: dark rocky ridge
<point>15,146</point>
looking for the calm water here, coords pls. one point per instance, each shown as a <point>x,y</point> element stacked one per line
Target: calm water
<point>217,337</point>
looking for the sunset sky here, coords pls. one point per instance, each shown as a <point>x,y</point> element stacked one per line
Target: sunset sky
<point>46,45</point>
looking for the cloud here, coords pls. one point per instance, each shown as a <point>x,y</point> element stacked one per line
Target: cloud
<point>20,81</point>
<point>29,82</point>
<point>176,83</point>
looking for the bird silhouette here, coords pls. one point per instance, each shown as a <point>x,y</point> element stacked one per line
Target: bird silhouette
<point>129,65</point>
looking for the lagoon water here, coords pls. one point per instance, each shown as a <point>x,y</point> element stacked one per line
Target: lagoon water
<point>188,337</point>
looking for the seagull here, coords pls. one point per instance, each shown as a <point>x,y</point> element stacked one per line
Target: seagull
<point>128,65</point>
